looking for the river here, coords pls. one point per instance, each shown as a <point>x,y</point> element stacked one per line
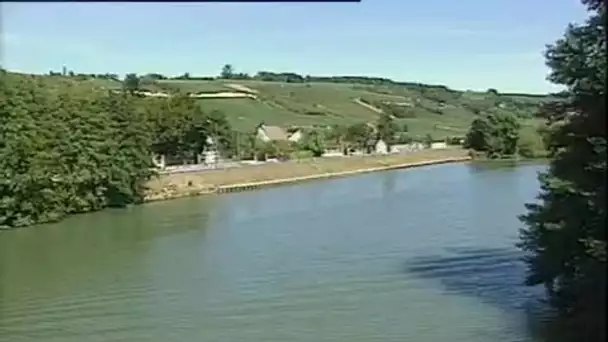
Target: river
<point>421,255</point>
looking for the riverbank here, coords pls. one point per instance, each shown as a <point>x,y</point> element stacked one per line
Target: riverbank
<point>165,187</point>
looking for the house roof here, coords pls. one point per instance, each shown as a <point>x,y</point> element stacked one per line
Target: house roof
<point>275,133</point>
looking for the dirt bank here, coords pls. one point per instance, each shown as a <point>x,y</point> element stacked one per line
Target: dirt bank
<point>216,181</point>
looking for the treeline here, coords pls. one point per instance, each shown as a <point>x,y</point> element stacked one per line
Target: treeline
<point>290,77</point>
<point>70,73</point>
<point>67,149</point>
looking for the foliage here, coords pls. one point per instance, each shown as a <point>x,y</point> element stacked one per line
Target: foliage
<point>227,71</point>
<point>131,83</point>
<point>66,149</point>
<point>404,138</point>
<point>454,140</point>
<point>301,154</point>
<point>282,149</point>
<point>565,237</point>
<point>496,135</point>
<point>387,129</point>
<point>358,136</point>
<point>531,143</point>
<point>221,131</point>
<point>428,141</point>
<point>313,142</point>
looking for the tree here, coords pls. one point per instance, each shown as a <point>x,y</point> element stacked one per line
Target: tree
<point>494,134</point>
<point>531,144</point>
<point>358,135</point>
<point>428,140</point>
<point>131,83</point>
<point>227,71</point>
<point>565,234</point>
<point>313,142</point>
<point>387,129</point>
<point>66,150</point>
<point>221,132</point>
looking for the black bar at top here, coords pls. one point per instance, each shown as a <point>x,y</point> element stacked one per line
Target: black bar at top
<point>212,1</point>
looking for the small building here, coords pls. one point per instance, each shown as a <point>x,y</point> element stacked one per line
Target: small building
<point>295,136</point>
<point>159,161</point>
<point>276,133</point>
<point>381,147</point>
<point>376,146</point>
<point>210,155</point>
<point>439,145</point>
<point>411,147</point>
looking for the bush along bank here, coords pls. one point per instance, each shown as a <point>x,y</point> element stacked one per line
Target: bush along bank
<point>500,136</point>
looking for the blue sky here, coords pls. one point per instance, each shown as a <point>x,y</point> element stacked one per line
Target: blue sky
<point>464,44</point>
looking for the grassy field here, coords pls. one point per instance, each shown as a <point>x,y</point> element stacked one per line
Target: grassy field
<point>179,185</point>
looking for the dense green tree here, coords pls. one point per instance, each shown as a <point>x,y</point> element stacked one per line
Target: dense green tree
<point>69,149</point>
<point>313,141</point>
<point>66,150</point>
<point>131,83</point>
<point>428,141</point>
<point>531,143</point>
<point>565,237</point>
<point>221,131</point>
<point>129,149</point>
<point>358,135</point>
<point>495,134</point>
<point>227,71</point>
<point>387,129</point>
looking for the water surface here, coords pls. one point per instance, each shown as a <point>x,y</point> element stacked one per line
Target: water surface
<point>423,255</point>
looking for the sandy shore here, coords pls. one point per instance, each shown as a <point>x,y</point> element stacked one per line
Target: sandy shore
<point>172,186</point>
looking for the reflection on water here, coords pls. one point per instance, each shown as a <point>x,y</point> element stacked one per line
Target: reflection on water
<point>490,275</point>
<point>413,255</point>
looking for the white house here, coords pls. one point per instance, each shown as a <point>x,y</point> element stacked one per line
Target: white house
<point>159,161</point>
<point>210,155</point>
<point>276,133</point>
<point>295,136</point>
<point>381,147</point>
<point>439,145</point>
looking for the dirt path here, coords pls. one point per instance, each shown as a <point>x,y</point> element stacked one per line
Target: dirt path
<point>224,95</point>
<point>208,182</point>
<point>240,87</point>
<point>368,106</point>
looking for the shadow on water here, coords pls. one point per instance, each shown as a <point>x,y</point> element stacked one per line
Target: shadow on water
<point>493,276</point>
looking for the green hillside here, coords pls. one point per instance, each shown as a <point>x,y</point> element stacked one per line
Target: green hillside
<point>437,111</point>
<point>425,109</point>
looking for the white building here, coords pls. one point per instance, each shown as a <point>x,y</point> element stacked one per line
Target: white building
<point>276,133</point>
<point>381,147</point>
